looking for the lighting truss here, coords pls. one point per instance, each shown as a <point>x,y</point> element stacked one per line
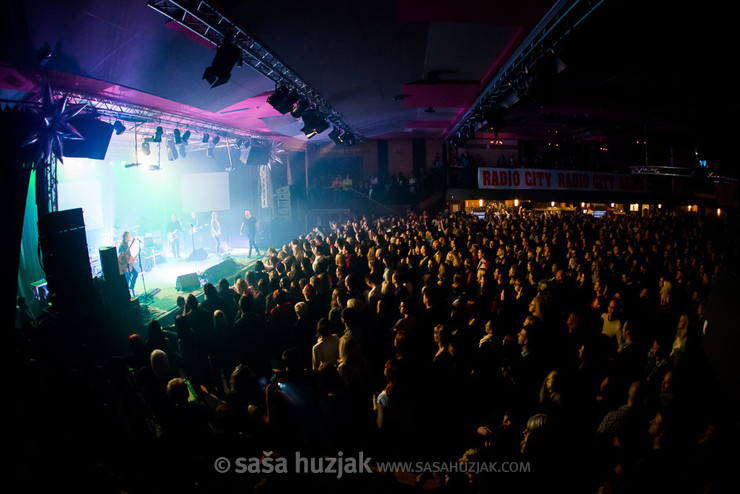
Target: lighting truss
<point>207,22</point>
<point>663,171</point>
<point>559,21</point>
<point>684,172</point>
<point>148,118</point>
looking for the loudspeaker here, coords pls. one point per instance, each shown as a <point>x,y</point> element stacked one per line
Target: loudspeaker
<point>63,245</point>
<point>109,262</point>
<point>198,255</point>
<point>224,269</point>
<point>96,134</point>
<point>187,282</point>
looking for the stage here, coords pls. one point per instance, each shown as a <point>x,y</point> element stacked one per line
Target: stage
<point>156,291</point>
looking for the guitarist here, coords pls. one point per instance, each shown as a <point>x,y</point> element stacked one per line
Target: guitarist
<point>126,261</point>
<point>174,229</point>
<point>216,231</point>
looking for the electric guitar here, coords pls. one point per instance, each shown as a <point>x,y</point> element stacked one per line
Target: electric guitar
<point>173,235</point>
<point>196,228</point>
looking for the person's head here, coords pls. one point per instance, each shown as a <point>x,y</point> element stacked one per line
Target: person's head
<point>177,390</point>
<point>350,317</point>
<point>301,310</point>
<point>523,338</point>
<point>223,284</point>
<point>136,344</point>
<point>155,328</point>
<point>552,382</point>
<point>536,427</point>
<point>180,301</point>
<point>611,309</point>
<point>443,335</point>
<point>214,215</point>
<point>245,303</point>
<point>683,323</point>
<point>220,321</point>
<point>323,328</point>
<point>174,218</point>
<point>159,363</point>
<point>292,359</point>
<point>126,237</point>
<point>247,213</point>
<point>209,290</point>
<point>191,303</point>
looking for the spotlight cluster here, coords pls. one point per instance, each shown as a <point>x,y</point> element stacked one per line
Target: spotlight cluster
<point>287,100</point>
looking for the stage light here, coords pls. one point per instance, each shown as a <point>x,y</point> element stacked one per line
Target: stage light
<point>348,138</point>
<point>176,133</point>
<point>313,123</point>
<point>172,154</point>
<point>205,138</point>
<point>215,140</point>
<point>300,107</point>
<point>154,167</point>
<point>283,99</point>
<point>185,136</point>
<point>145,148</point>
<point>219,72</point>
<point>334,136</point>
<point>158,135</point>
<point>118,128</point>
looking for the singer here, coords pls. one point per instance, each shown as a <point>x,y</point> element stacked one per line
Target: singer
<point>126,259</point>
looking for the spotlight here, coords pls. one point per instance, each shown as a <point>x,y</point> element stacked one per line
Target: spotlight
<point>214,141</point>
<point>349,139</point>
<point>205,138</point>
<point>171,150</point>
<point>219,72</point>
<point>185,136</point>
<point>157,135</point>
<point>154,167</point>
<point>313,123</point>
<point>145,148</point>
<point>178,138</point>
<point>283,99</point>
<point>119,128</point>
<point>299,108</point>
<point>334,136</point>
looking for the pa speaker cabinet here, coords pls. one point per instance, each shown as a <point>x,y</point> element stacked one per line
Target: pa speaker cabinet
<point>187,282</point>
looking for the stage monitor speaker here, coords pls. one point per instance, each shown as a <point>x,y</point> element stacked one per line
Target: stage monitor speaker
<point>198,255</point>
<point>66,261</point>
<point>224,269</point>
<point>96,138</point>
<point>187,282</point>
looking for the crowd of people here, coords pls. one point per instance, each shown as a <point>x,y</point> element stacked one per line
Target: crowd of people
<point>565,341</point>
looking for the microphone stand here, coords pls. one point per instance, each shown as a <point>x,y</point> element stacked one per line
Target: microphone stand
<point>192,238</point>
<point>145,298</point>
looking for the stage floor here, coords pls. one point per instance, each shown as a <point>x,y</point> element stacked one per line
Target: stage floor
<point>160,281</point>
